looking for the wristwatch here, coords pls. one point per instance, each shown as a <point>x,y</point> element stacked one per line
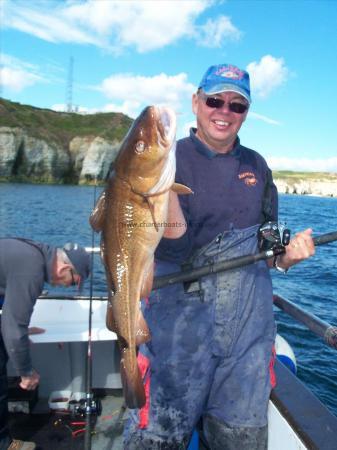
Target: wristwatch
<point>278,268</point>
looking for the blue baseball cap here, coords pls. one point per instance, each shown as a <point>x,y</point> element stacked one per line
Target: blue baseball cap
<point>80,259</point>
<point>226,78</point>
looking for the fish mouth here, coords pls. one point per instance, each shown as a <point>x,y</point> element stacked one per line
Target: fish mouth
<point>167,123</point>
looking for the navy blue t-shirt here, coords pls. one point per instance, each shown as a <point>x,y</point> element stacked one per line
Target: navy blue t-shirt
<point>229,191</point>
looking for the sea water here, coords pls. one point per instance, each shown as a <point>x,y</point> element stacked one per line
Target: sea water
<point>59,214</point>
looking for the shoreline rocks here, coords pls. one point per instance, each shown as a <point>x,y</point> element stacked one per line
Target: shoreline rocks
<point>27,158</point>
<point>87,158</point>
<point>321,188</point>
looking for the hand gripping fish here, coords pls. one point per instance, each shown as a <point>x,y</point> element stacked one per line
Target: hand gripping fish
<point>131,213</point>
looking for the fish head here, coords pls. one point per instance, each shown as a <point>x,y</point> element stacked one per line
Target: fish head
<point>147,152</point>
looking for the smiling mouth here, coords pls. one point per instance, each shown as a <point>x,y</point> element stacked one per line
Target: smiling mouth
<point>222,123</point>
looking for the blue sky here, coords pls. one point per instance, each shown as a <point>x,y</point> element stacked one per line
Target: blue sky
<point>128,54</point>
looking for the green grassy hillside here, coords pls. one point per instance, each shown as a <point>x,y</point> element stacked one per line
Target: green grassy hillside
<point>61,127</point>
<point>293,177</point>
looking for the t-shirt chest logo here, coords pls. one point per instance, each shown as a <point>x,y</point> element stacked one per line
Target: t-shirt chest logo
<point>248,178</point>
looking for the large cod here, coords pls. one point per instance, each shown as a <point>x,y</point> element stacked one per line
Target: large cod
<point>131,213</point>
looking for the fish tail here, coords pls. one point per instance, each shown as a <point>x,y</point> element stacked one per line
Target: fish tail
<point>133,388</point>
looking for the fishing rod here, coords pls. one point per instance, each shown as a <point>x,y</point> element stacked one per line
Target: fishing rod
<point>89,397</point>
<point>194,274</point>
<point>233,263</point>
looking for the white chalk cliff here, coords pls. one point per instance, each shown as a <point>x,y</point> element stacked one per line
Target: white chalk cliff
<point>25,156</point>
<point>319,187</point>
<point>87,158</point>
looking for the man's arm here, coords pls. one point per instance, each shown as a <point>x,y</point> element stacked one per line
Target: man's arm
<point>23,287</point>
<point>176,244</point>
<point>175,218</point>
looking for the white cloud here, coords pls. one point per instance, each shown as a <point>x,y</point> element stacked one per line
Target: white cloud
<point>156,24</point>
<point>253,115</point>
<point>141,91</point>
<point>267,75</point>
<point>214,32</point>
<point>16,74</point>
<point>16,80</point>
<point>115,25</point>
<point>16,63</point>
<point>47,21</point>
<point>59,107</point>
<point>302,164</point>
<point>131,109</point>
<point>130,93</point>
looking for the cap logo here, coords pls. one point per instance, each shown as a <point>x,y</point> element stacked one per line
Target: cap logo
<point>230,72</point>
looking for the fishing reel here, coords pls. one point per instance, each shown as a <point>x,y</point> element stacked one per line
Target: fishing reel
<point>272,235</point>
<point>78,408</point>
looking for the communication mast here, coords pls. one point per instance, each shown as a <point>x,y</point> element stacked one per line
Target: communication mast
<point>69,99</point>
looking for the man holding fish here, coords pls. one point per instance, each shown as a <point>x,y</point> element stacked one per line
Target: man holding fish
<point>210,355</point>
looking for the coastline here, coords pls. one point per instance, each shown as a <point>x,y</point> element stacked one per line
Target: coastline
<point>312,188</point>
<point>317,188</point>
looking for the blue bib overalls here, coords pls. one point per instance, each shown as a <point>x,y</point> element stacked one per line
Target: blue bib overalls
<point>210,354</point>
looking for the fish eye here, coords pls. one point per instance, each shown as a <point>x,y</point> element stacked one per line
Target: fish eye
<point>140,147</point>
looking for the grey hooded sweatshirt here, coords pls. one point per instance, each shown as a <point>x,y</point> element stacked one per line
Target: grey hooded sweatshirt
<point>25,266</point>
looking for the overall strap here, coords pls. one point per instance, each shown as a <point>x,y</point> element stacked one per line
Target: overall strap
<point>267,207</point>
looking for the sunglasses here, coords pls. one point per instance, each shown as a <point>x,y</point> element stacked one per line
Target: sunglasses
<point>235,107</point>
<point>73,281</point>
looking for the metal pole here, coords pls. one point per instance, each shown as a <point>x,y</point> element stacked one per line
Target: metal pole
<point>319,327</point>
<point>71,297</point>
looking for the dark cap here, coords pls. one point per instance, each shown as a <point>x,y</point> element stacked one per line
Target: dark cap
<point>80,259</point>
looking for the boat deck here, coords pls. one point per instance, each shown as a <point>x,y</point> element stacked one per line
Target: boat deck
<point>54,430</point>
<point>297,421</point>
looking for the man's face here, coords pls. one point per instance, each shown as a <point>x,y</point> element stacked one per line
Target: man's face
<point>218,127</point>
<point>65,275</point>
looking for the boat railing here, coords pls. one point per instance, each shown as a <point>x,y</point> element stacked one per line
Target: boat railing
<point>318,326</point>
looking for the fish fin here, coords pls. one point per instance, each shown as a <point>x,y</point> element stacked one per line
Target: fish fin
<point>151,207</point>
<point>110,320</point>
<point>181,189</point>
<point>142,330</point>
<point>147,282</point>
<point>133,388</point>
<point>97,216</point>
